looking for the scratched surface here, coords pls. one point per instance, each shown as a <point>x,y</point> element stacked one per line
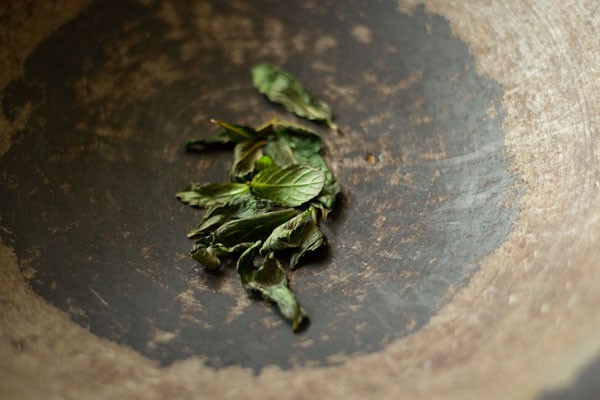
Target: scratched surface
<point>86,195</point>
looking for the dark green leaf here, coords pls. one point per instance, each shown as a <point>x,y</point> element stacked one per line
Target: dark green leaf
<point>303,142</point>
<point>206,226</point>
<point>235,209</point>
<point>252,228</point>
<point>291,186</point>
<point>245,154</point>
<point>281,154</point>
<point>237,133</point>
<point>312,239</point>
<point>282,88</point>
<point>245,263</point>
<point>210,256</point>
<point>331,188</point>
<point>271,282</point>
<point>212,194</point>
<point>288,235</point>
<point>231,135</point>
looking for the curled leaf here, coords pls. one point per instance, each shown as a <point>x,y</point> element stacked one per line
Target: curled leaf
<point>282,88</point>
<point>288,235</point>
<point>238,208</point>
<point>252,228</point>
<point>311,239</point>
<point>231,135</point>
<point>245,154</point>
<point>210,255</point>
<point>281,154</point>
<point>271,282</point>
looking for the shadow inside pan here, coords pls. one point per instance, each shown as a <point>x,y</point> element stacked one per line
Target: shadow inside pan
<point>87,187</point>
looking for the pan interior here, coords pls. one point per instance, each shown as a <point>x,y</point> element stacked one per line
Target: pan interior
<point>87,188</point>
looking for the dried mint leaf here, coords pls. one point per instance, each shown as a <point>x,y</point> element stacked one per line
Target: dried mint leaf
<point>231,135</point>
<point>280,153</point>
<point>210,255</point>
<point>271,282</point>
<point>288,235</point>
<point>252,228</point>
<point>282,88</point>
<point>291,186</point>
<point>213,194</point>
<point>312,239</point>
<point>216,215</point>
<point>276,164</point>
<point>245,154</point>
<point>306,146</point>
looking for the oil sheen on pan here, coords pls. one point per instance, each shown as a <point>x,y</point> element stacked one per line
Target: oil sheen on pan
<point>87,187</point>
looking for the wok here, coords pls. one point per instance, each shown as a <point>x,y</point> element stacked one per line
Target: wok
<point>462,255</point>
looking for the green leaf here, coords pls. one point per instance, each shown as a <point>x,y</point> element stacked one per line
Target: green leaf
<point>210,256</point>
<point>271,282</point>
<point>303,142</point>
<point>282,88</point>
<point>237,208</point>
<point>293,144</point>
<point>245,263</point>
<point>245,154</point>
<point>213,194</point>
<point>307,149</point>
<point>288,235</point>
<point>231,135</point>
<point>331,188</point>
<point>312,238</point>
<point>291,186</point>
<point>263,163</point>
<point>252,228</point>
<point>237,133</point>
<point>281,154</point>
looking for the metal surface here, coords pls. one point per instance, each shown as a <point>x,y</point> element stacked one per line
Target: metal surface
<point>96,169</point>
<point>455,239</point>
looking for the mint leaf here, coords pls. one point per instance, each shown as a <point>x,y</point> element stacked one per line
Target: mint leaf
<point>238,208</point>
<point>281,154</point>
<point>252,228</point>
<point>306,147</point>
<point>282,88</point>
<point>271,282</point>
<point>210,255</point>
<point>263,163</point>
<point>303,142</point>
<point>245,263</point>
<point>288,235</point>
<point>245,154</point>
<point>212,194</point>
<point>231,135</point>
<point>291,186</point>
<point>278,164</point>
<point>312,238</point>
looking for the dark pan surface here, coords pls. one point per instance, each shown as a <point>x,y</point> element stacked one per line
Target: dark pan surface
<point>87,195</point>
